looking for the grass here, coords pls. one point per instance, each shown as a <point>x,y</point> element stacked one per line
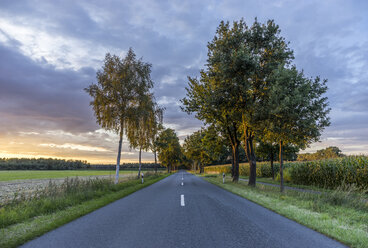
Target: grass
<point>341,214</point>
<point>24,219</point>
<point>9,175</point>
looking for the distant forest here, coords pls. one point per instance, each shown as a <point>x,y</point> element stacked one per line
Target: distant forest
<point>62,164</point>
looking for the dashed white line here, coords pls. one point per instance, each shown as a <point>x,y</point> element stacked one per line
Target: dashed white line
<point>182,184</point>
<point>182,203</point>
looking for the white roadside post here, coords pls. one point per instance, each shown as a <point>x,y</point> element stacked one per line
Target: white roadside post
<point>142,175</point>
<point>223,177</point>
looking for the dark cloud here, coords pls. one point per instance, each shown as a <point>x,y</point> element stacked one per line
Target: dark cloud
<point>42,89</point>
<point>36,95</point>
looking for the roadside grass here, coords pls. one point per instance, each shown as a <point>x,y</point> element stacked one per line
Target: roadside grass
<point>24,219</point>
<point>9,175</point>
<point>341,214</point>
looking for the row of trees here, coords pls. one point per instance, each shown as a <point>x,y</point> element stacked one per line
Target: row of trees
<point>249,91</point>
<point>327,153</point>
<point>123,102</point>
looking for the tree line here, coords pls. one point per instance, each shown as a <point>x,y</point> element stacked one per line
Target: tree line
<point>251,92</point>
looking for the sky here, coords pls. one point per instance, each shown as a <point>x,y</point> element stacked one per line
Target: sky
<point>51,50</point>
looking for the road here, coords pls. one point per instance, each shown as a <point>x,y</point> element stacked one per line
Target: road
<point>183,211</point>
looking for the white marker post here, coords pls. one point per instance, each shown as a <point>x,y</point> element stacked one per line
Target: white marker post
<point>223,178</point>
<point>142,175</point>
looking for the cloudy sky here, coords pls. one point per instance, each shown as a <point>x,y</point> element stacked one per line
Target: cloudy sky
<point>51,50</point>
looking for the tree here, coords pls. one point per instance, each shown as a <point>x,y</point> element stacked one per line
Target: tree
<point>298,110</point>
<point>120,85</point>
<point>168,148</point>
<point>329,152</point>
<point>141,128</point>
<point>157,121</point>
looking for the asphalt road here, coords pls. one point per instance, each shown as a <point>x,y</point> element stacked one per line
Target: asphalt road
<point>195,214</point>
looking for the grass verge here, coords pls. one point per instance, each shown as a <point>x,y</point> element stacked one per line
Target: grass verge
<point>27,229</point>
<point>341,214</point>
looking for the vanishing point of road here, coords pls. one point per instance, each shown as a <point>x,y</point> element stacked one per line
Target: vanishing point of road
<point>183,210</point>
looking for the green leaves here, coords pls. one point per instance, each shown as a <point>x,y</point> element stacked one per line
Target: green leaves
<point>168,148</point>
<point>121,85</point>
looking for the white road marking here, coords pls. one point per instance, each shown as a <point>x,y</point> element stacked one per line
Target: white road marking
<point>182,184</point>
<point>182,203</point>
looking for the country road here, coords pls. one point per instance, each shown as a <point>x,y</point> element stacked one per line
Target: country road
<point>183,211</point>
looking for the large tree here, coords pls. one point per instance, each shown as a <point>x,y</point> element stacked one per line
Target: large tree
<point>298,110</point>
<point>121,83</point>
<point>168,148</point>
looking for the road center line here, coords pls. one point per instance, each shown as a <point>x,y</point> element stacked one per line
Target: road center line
<point>182,184</point>
<point>182,203</point>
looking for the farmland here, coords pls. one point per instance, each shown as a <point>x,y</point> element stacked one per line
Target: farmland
<point>48,174</point>
<point>330,173</point>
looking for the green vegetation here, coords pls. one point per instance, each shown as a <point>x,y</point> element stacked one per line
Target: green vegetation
<point>38,174</point>
<point>341,214</point>
<point>122,96</point>
<point>204,147</point>
<point>330,173</point>
<point>41,164</point>
<point>250,91</point>
<point>25,218</point>
<point>263,169</point>
<point>169,149</point>
<point>327,153</point>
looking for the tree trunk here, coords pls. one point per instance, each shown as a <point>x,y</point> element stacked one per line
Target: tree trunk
<point>232,132</point>
<point>140,162</point>
<point>154,152</point>
<point>281,169</point>
<point>236,163</point>
<point>168,168</point>
<point>232,162</point>
<point>119,155</point>
<point>251,158</point>
<point>272,169</point>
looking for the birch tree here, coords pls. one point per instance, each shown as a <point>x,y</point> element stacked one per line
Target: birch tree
<point>121,83</point>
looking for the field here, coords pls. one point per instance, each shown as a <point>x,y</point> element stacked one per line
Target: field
<point>328,173</point>
<point>47,174</point>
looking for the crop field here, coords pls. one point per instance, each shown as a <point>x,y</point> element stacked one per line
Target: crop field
<point>47,174</point>
<point>329,173</point>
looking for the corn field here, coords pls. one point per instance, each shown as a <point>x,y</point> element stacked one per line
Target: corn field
<point>330,173</point>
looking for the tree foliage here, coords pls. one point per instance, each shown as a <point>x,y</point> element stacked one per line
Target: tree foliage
<point>327,153</point>
<point>298,110</point>
<point>204,147</point>
<point>168,148</point>
<point>117,95</point>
